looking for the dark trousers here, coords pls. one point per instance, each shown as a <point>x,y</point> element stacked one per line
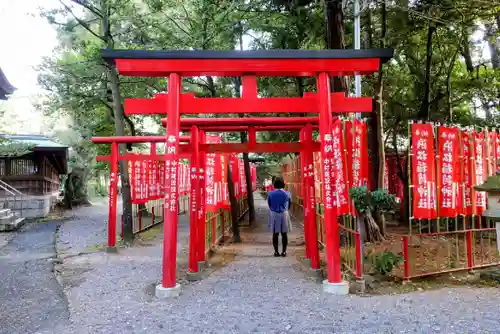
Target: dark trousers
<point>284,241</point>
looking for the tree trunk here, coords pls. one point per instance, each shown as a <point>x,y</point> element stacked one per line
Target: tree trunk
<point>235,224</point>
<point>334,19</point>
<point>424,113</point>
<point>381,222</point>
<point>372,230</point>
<point>114,84</point>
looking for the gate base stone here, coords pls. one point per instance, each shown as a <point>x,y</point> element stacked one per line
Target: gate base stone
<point>339,289</point>
<point>164,293</point>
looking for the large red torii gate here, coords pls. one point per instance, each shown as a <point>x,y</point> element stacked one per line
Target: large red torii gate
<point>176,64</point>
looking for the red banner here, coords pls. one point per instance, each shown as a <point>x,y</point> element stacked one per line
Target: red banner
<point>253,172</point>
<point>386,174</point>
<point>210,184</point>
<point>449,171</point>
<point>242,179</point>
<point>492,156</point>
<point>423,172</point>
<point>466,174</point>
<point>479,176</point>
<point>357,157</point>
<point>161,178</point>
<point>153,186</point>
<point>339,170</point>
<point>497,145</point>
<point>221,173</point>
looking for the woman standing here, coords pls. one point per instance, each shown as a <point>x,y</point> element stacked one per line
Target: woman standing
<point>279,202</point>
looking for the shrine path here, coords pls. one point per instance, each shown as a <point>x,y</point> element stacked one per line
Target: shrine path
<point>254,293</point>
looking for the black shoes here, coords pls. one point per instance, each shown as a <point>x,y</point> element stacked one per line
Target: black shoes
<point>283,254</point>
<point>276,254</point>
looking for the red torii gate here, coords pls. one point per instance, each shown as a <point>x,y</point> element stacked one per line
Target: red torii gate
<point>176,64</point>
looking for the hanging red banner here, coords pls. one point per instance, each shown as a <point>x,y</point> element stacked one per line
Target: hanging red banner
<point>423,172</point>
<point>242,178</point>
<point>497,150</point>
<point>222,171</point>
<point>235,175</point>
<point>386,175</point>
<point>492,156</point>
<point>467,169</point>
<point>449,171</point>
<point>357,156</point>
<point>339,168</point>
<point>131,173</point>
<point>210,185</point>
<point>479,171</point>
<point>253,172</point>
<point>138,171</point>
<point>161,178</point>
<point>153,193</point>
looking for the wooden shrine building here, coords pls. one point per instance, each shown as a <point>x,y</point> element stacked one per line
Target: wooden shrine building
<point>32,170</point>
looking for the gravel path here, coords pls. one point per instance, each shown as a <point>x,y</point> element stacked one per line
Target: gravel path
<point>31,299</point>
<point>255,293</point>
<point>86,231</point>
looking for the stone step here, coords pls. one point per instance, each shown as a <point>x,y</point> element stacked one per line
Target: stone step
<point>11,225</point>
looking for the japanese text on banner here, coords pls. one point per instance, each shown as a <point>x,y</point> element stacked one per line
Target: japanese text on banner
<point>423,172</point>
<point>341,193</point>
<point>479,171</point>
<point>467,174</point>
<point>210,184</point>
<point>171,173</point>
<point>449,171</point>
<point>327,158</point>
<point>357,153</point>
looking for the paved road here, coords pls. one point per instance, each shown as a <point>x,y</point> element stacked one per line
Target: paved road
<point>31,299</point>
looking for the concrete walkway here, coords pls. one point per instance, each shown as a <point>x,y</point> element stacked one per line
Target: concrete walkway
<point>31,299</point>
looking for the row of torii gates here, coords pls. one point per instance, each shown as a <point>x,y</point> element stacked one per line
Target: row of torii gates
<point>248,65</point>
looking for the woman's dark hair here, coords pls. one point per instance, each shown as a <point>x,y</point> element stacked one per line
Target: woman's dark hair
<point>279,183</point>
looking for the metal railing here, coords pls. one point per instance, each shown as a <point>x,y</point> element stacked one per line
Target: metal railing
<point>15,196</point>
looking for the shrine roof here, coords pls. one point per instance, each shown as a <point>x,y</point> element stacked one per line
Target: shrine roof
<point>382,54</point>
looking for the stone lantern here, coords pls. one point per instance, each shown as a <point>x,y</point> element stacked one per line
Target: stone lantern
<point>492,188</point>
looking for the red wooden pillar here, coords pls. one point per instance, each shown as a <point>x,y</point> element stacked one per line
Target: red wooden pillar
<point>327,161</point>
<point>171,184</point>
<point>113,190</point>
<point>194,203</point>
<point>304,191</point>
<point>201,213</point>
<point>311,198</point>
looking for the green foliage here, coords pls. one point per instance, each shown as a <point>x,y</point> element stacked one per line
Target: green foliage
<point>362,199</point>
<point>382,200</point>
<point>384,262</point>
<point>9,148</point>
<point>369,201</point>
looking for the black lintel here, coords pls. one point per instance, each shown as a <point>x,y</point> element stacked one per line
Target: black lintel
<point>383,54</point>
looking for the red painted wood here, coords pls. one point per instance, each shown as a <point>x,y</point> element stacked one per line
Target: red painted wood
<point>246,121</point>
<point>257,148</point>
<point>242,128</point>
<point>171,189</point>
<point>246,104</point>
<point>193,204</point>
<point>238,67</point>
<point>135,139</point>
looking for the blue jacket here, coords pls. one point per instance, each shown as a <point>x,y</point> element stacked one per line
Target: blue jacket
<point>279,200</point>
